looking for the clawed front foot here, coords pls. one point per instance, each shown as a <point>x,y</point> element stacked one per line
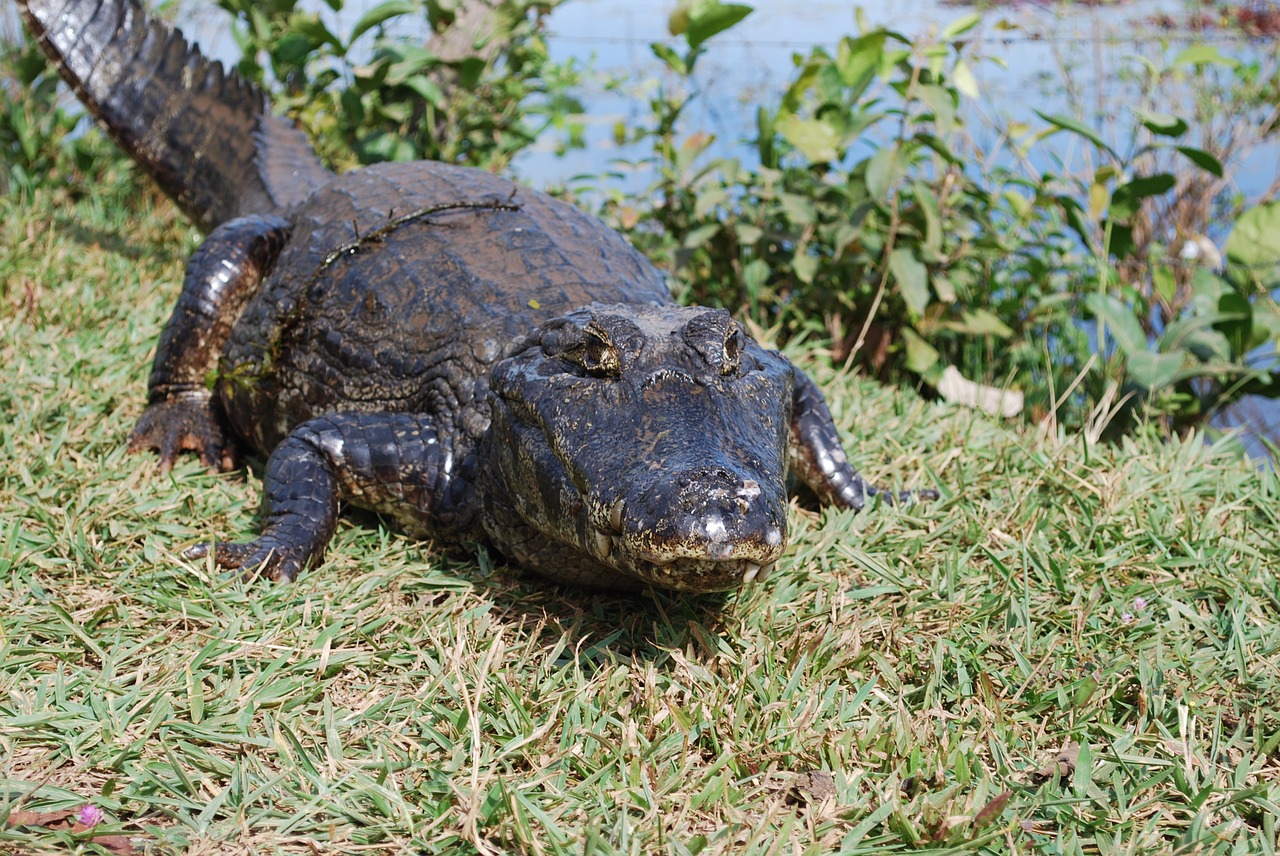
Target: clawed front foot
<point>185,423</point>
<point>267,556</point>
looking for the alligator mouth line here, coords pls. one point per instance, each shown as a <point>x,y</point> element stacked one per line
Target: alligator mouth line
<point>677,572</point>
<point>607,543</point>
<point>680,573</point>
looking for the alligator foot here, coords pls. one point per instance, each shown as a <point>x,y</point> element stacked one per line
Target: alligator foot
<point>266,556</point>
<point>820,461</point>
<point>185,423</point>
<point>902,497</point>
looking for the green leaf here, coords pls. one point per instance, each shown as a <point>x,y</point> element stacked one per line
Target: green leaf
<point>1235,321</point>
<point>805,266</point>
<point>980,322</point>
<point>1118,239</point>
<point>798,209</point>
<point>960,26</point>
<point>1120,321</point>
<point>1166,285</point>
<point>1202,159</point>
<point>943,288</point>
<point>755,274</point>
<point>857,61</point>
<point>748,234</point>
<point>912,278</point>
<point>1075,126</point>
<point>290,51</point>
<point>469,71</point>
<point>1204,55</point>
<point>386,147</point>
<point>699,236</point>
<point>962,78</point>
<point>709,18</point>
<point>933,233</point>
<point>1127,197</point>
<point>1206,289</point>
<point>380,13</point>
<point>1255,240</point>
<point>426,88</point>
<point>921,356</point>
<point>667,54</point>
<point>839,235</point>
<point>815,139</point>
<point>1194,335</point>
<point>708,200</point>
<point>1162,123</point>
<point>314,29</point>
<point>413,60</point>
<point>795,93</point>
<point>881,172</point>
<point>1150,370</point>
<point>942,104</point>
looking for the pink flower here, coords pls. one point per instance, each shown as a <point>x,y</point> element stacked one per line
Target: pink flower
<point>89,815</point>
<point>1126,617</point>
<point>1139,603</point>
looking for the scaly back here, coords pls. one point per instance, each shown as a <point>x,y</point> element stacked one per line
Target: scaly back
<point>205,135</point>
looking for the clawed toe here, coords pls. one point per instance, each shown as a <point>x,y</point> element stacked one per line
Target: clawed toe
<point>254,557</point>
<point>186,423</point>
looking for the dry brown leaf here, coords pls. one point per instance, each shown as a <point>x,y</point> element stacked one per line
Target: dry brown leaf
<point>991,810</point>
<point>1063,765</point>
<point>813,786</point>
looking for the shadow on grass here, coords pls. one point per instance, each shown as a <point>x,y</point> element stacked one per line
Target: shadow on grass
<point>601,627</point>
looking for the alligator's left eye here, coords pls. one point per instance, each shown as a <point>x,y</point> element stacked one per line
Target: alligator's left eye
<point>599,356</point>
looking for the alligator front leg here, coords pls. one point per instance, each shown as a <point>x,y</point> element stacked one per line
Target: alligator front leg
<point>820,461</point>
<point>221,276</point>
<point>394,463</point>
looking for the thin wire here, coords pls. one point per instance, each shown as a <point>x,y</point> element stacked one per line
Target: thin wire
<point>988,38</point>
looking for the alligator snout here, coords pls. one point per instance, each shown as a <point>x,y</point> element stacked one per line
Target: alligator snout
<point>711,517</point>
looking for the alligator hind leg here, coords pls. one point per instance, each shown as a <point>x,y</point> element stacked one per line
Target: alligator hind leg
<point>182,414</point>
<point>395,463</point>
<point>820,461</point>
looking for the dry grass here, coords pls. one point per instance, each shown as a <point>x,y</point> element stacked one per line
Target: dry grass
<point>906,680</point>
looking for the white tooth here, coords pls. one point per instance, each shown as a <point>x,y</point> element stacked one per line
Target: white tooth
<point>749,576</point>
<point>603,544</point>
<point>765,571</point>
<point>615,516</point>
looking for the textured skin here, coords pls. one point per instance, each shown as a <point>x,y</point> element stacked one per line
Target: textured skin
<point>471,358</point>
<point>221,277</point>
<point>204,135</point>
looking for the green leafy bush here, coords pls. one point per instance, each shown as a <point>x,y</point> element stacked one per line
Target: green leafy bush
<point>1189,336</point>
<point>38,148</point>
<point>870,226</point>
<point>473,95</point>
<point>864,226</point>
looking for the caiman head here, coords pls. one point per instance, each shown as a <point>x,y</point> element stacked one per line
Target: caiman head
<point>640,444</point>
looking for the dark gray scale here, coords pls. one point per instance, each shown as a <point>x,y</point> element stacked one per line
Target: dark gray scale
<point>471,358</point>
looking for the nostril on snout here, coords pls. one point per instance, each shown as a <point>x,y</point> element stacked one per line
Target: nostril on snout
<point>717,485</point>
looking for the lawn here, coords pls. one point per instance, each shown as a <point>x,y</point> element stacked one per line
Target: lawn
<point>1076,650</point>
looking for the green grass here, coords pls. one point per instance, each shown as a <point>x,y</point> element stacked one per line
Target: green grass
<point>903,670</point>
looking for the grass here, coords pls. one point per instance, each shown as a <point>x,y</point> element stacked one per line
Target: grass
<point>1076,651</point>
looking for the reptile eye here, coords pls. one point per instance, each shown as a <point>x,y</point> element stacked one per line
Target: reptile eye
<point>733,345</point>
<point>598,354</point>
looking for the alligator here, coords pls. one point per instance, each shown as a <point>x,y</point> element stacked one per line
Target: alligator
<point>473,359</point>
